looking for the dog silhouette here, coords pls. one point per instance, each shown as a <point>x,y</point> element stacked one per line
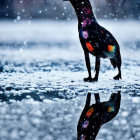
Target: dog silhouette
<point>94,116</point>
<point>95,39</point>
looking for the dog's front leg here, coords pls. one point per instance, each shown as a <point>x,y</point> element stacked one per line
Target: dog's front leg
<point>97,68</point>
<point>87,59</point>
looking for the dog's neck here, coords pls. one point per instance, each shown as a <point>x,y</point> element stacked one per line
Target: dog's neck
<point>83,11</point>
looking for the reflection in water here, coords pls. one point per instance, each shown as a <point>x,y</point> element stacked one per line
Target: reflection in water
<point>94,116</point>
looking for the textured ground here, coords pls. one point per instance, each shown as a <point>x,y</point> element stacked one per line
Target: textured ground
<point>42,92</point>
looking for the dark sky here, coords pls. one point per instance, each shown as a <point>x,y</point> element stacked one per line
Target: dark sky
<point>54,9</point>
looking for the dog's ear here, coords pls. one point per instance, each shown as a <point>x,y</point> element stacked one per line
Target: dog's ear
<point>88,100</point>
<point>97,98</point>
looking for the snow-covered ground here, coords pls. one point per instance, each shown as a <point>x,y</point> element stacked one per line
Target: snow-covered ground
<point>42,92</point>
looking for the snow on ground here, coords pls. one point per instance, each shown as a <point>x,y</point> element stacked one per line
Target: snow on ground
<point>42,92</point>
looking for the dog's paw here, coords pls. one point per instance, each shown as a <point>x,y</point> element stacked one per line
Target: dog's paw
<point>117,77</point>
<point>89,79</point>
<point>86,79</point>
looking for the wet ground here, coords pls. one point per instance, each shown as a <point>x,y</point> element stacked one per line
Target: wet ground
<point>42,92</point>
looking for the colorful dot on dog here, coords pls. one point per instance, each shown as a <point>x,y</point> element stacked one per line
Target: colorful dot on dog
<point>85,34</point>
<point>111,109</point>
<point>87,10</point>
<point>89,46</point>
<point>111,48</point>
<point>86,21</point>
<point>83,137</point>
<point>90,111</point>
<point>85,124</point>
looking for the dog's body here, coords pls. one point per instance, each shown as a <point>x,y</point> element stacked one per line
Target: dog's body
<point>95,39</point>
<point>95,115</point>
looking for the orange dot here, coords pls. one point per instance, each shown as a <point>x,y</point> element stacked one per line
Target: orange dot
<point>89,46</point>
<point>110,109</point>
<point>90,111</point>
<point>111,48</point>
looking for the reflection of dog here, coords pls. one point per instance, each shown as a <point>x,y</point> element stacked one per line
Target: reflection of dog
<point>94,116</point>
<point>95,39</point>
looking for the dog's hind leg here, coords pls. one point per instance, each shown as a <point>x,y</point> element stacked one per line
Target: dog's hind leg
<point>116,62</point>
<point>118,76</point>
<point>113,62</point>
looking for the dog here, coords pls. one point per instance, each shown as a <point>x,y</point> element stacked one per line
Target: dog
<point>95,39</point>
<point>94,116</point>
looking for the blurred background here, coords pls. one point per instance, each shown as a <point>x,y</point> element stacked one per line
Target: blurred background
<point>42,67</point>
<point>57,9</point>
